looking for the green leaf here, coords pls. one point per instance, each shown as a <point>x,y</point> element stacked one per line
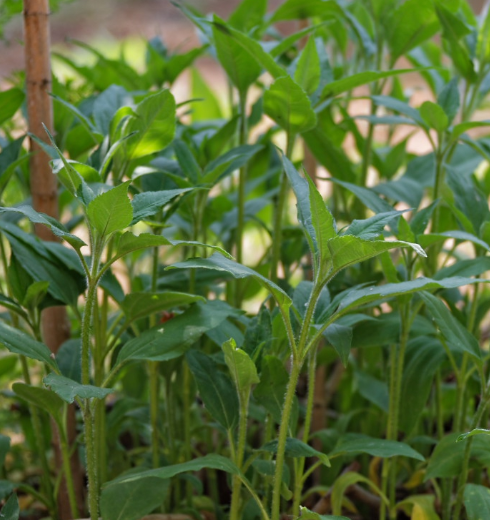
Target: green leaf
<point>11,511</point>
<point>252,48</point>
<point>353,443</point>
<point>347,250</point>
<point>286,103</point>
<point>248,15</point>
<point>40,397</point>
<point>154,123</point>
<point>137,305</point>
<point>68,389</point>
<point>271,390</point>
<point>35,294</point>
<point>294,9</point>
<point>477,501</point>
<point>372,227</point>
<point>306,514</point>
<point>367,196</point>
<point>242,369</point>
<point>132,500</point>
<point>308,72</point>
<point>107,104</point>
<point>357,80</point>
<point>431,238</point>
<point>220,263</point>
<point>150,202</point>
<point>85,121</point>
<point>455,334</point>
<point>21,343</point>
<point>412,23</point>
<point>40,218</point>
<point>10,101</point>
<point>212,461</point>
<point>434,116</point>
<point>176,336</point>
<point>215,388</point>
<point>448,99</point>
<point>476,431</point>
<point>111,211</point>
<point>340,337</point>
<point>345,481</point>
<point>367,295</point>
<point>447,459</point>
<point>297,449</point>
<point>239,65</point>
<point>461,128</point>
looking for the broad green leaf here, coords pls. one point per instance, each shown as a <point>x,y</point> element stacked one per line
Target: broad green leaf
<point>212,461</point>
<point>286,103</point>
<point>455,334</point>
<point>477,501</point>
<point>340,337</point>
<point>250,47</point>
<point>434,116</point>
<point>424,356</point>
<point>107,104</point>
<point>132,500</point>
<point>6,488</point>
<point>68,389</point>
<point>21,343</point>
<point>40,397</point>
<point>248,15</point>
<point>431,238</point>
<point>448,99</point>
<point>347,250</point>
<point>220,263</point>
<point>346,480</point>
<point>470,267</point>
<point>398,106</point>
<point>461,128</point>
<point>239,65</point>
<point>294,9</point>
<point>352,443</point>
<point>187,161</point>
<point>367,196</point>
<point>150,202</point>
<point>271,390</point>
<point>357,80</point>
<point>10,101</point>
<point>297,449</point>
<point>308,73</point>
<point>372,227</point>
<point>85,121</point>
<point>367,295</point>
<point>111,211</point>
<point>215,388</point>
<point>374,390</point>
<point>35,294</point>
<point>69,359</point>
<point>137,305</point>
<point>421,507</point>
<point>128,242</point>
<point>306,514</point>
<point>176,336</point>
<point>154,123</point>
<point>11,510</point>
<point>447,459</point>
<point>209,108</point>
<point>40,218</point>
<point>242,369</point>
<point>412,23</point>
<point>10,158</point>
<point>476,431</point>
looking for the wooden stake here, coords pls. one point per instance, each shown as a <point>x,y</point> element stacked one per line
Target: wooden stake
<point>44,188</point>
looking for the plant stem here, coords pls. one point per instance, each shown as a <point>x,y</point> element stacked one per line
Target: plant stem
<point>242,180</point>
<point>65,454</point>
<point>283,435</point>
<point>154,391</point>
<point>239,455</point>
<point>281,202</point>
<point>298,487</point>
<point>93,495</point>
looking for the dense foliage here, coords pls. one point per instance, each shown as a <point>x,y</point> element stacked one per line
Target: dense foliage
<point>232,357</point>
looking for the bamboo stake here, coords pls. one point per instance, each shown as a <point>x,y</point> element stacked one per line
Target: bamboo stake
<point>54,321</point>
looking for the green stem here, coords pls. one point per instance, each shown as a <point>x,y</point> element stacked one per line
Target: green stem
<point>299,481</point>
<point>242,139</point>
<point>65,454</point>
<point>281,202</point>
<point>93,495</point>
<point>283,435</point>
<point>239,455</point>
<point>154,391</point>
